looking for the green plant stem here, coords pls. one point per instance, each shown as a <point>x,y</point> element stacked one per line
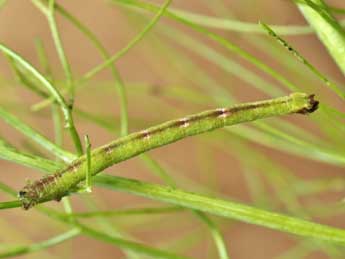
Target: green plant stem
<point>220,40</point>
<point>28,160</point>
<point>66,110</point>
<point>47,166</point>
<point>99,46</point>
<point>130,45</point>
<point>35,136</point>
<point>127,212</point>
<point>48,11</point>
<point>221,60</point>
<point>78,229</point>
<point>81,228</point>
<point>216,233</point>
<point>43,59</point>
<point>329,31</point>
<point>59,47</point>
<point>217,207</point>
<point>21,250</point>
<point>268,135</point>
<point>224,208</point>
<point>117,79</point>
<point>245,27</point>
<point>281,141</point>
<point>330,84</point>
<point>157,170</point>
<point>9,204</point>
<point>130,245</point>
<point>238,26</point>
<point>24,80</point>
<point>110,60</point>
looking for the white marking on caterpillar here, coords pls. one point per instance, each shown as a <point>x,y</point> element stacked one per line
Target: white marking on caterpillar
<point>108,150</point>
<point>185,123</point>
<point>146,134</point>
<point>224,112</point>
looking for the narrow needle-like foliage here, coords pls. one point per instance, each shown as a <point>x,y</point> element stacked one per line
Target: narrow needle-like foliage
<point>131,44</point>
<point>224,208</point>
<point>217,38</point>
<point>326,27</point>
<point>21,250</point>
<point>53,91</point>
<point>330,84</point>
<point>34,135</point>
<point>200,184</point>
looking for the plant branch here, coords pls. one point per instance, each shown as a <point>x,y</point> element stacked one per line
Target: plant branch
<point>130,45</point>
<point>66,109</point>
<point>329,31</point>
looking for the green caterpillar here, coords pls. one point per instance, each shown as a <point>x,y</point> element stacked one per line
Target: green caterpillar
<point>61,183</point>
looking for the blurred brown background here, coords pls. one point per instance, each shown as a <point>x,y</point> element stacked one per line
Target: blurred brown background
<point>21,23</point>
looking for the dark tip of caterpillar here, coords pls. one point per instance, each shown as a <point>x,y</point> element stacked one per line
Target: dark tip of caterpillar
<point>58,198</point>
<point>21,194</point>
<point>313,105</point>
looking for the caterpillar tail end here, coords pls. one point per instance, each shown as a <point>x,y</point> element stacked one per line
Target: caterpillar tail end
<point>25,199</point>
<point>28,196</point>
<point>312,105</point>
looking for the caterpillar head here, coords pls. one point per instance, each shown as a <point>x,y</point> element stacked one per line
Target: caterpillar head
<point>28,197</point>
<point>311,105</point>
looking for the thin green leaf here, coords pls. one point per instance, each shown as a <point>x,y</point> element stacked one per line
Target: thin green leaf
<point>224,208</point>
<point>131,44</point>
<point>34,135</point>
<point>127,212</point>
<point>9,204</point>
<point>327,28</point>
<point>238,26</point>
<point>122,243</point>
<point>279,141</point>
<point>220,40</point>
<point>116,75</point>
<point>50,15</point>
<point>54,92</point>
<point>22,250</point>
<point>28,160</point>
<point>26,79</point>
<point>330,84</point>
<point>222,61</point>
<point>43,59</point>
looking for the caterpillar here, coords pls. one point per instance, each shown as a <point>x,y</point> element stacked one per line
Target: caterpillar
<point>65,181</point>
